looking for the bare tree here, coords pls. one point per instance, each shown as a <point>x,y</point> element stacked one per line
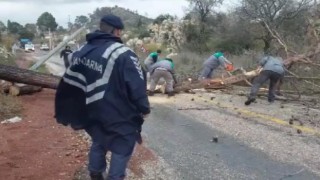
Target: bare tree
<point>270,14</point>
<point>202,9</point>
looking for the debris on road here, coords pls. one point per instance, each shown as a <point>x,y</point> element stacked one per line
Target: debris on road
<point>214,140</point>
<point>12,120</point>
<point>291,175</point>
<point>299,131</point>
<point>194,108</point>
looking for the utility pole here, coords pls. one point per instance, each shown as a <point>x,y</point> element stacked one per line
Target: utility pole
<point>57,48</point>
<point>50,39</point>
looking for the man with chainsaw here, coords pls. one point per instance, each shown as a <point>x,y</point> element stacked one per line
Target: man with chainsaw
<point>270,68</point>
<point>212,63</point>
<point>163,69</point>
<point>151,59</point>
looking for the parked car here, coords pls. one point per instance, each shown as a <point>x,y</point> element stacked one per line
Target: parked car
<point>29,47</point>
<point>44,47</point>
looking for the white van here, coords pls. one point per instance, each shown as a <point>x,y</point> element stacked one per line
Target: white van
<point>28,47</point>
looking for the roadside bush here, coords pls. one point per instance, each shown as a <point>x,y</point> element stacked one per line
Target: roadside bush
<point>7,41</point>
<point>143,33</point>
<point>9,107</point>
<point>152,47</point>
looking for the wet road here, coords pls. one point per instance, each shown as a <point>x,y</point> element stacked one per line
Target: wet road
<point>185,144</point>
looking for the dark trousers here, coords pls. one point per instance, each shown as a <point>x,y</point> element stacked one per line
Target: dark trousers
<point>66,62</point>
<point>97,156</point>
<point>261,79</point>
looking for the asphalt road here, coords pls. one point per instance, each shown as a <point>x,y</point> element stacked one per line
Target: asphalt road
<point>185,144</point>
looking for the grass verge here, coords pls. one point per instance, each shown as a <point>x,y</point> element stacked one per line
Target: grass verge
<point>9,107</point>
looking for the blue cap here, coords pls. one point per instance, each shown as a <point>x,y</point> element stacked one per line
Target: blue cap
<point>113,21</point>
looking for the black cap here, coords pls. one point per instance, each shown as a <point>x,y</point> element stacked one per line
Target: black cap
<point>113,21</point>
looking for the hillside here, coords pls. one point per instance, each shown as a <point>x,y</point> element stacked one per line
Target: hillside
<point>131,19</point>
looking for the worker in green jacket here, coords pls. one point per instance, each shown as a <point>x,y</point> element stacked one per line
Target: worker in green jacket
<point>151,59</point>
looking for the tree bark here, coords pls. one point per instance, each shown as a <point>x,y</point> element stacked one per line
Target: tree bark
<point>23,90</point>
<point>217,83</point>
<point>13,74</point>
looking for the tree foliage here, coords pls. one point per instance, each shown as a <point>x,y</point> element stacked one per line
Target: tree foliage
<point>203,8</point>
<point>129,17</point>
<point>25,33</point>
<point>2,26</point>
<point>46,22</point>
<point>61,29</point>
<point>31,27</point>
<point>81,20</point>
<point>162,17</point>
<point>14,27</point>
<point>197,34</point>
<point>271,14</point>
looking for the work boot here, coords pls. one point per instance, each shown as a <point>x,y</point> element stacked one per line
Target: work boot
<point>270,101</point>
<point>249,101</point>
<point>96,176</point>
<point>170,94</point>
<point>151,93</point>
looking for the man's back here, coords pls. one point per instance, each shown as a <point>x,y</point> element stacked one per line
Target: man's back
<point>106,84</point>
<point>270,63</point>
<point>214,62</point>
<point>166,64</point>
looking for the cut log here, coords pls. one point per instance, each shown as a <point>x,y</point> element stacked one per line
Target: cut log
<point>23,90</point>
<point>4,86</point>
<point>13,74</point>
<point>217,83</point>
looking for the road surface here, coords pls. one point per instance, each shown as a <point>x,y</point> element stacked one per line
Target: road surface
<point>254,142</point>
<point>184,140</point>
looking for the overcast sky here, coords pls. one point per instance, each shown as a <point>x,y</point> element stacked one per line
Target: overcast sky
<point>27,11</point>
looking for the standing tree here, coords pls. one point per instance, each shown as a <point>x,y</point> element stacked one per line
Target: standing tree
<point>202,9</point>
<point>61,29</point>
<point>14,27</point>
<point>25,33</point>
<point>81,20</point>
<point>162,17</point>
<point>2,27</point>
<point>271,14</point>
<point>46,21</point>
<point>31,27</point>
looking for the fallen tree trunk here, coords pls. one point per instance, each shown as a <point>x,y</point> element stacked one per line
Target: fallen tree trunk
<point>23,90</point>
<point>217,83</point>
<point>304,78</point>
<point>14,74</point>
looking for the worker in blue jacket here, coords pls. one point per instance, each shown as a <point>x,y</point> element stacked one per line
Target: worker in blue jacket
<point>271,68</point>
<point>212,63</point>
<point>104,92</point>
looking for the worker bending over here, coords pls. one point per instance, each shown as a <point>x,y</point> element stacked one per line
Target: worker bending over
<point>271,68</point>
<point>163,69</point>
<point>151,59</point>
<point>212,63</point>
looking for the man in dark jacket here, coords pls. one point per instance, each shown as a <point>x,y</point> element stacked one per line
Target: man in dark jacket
<point>64,54</point>
<point>104,92</point>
